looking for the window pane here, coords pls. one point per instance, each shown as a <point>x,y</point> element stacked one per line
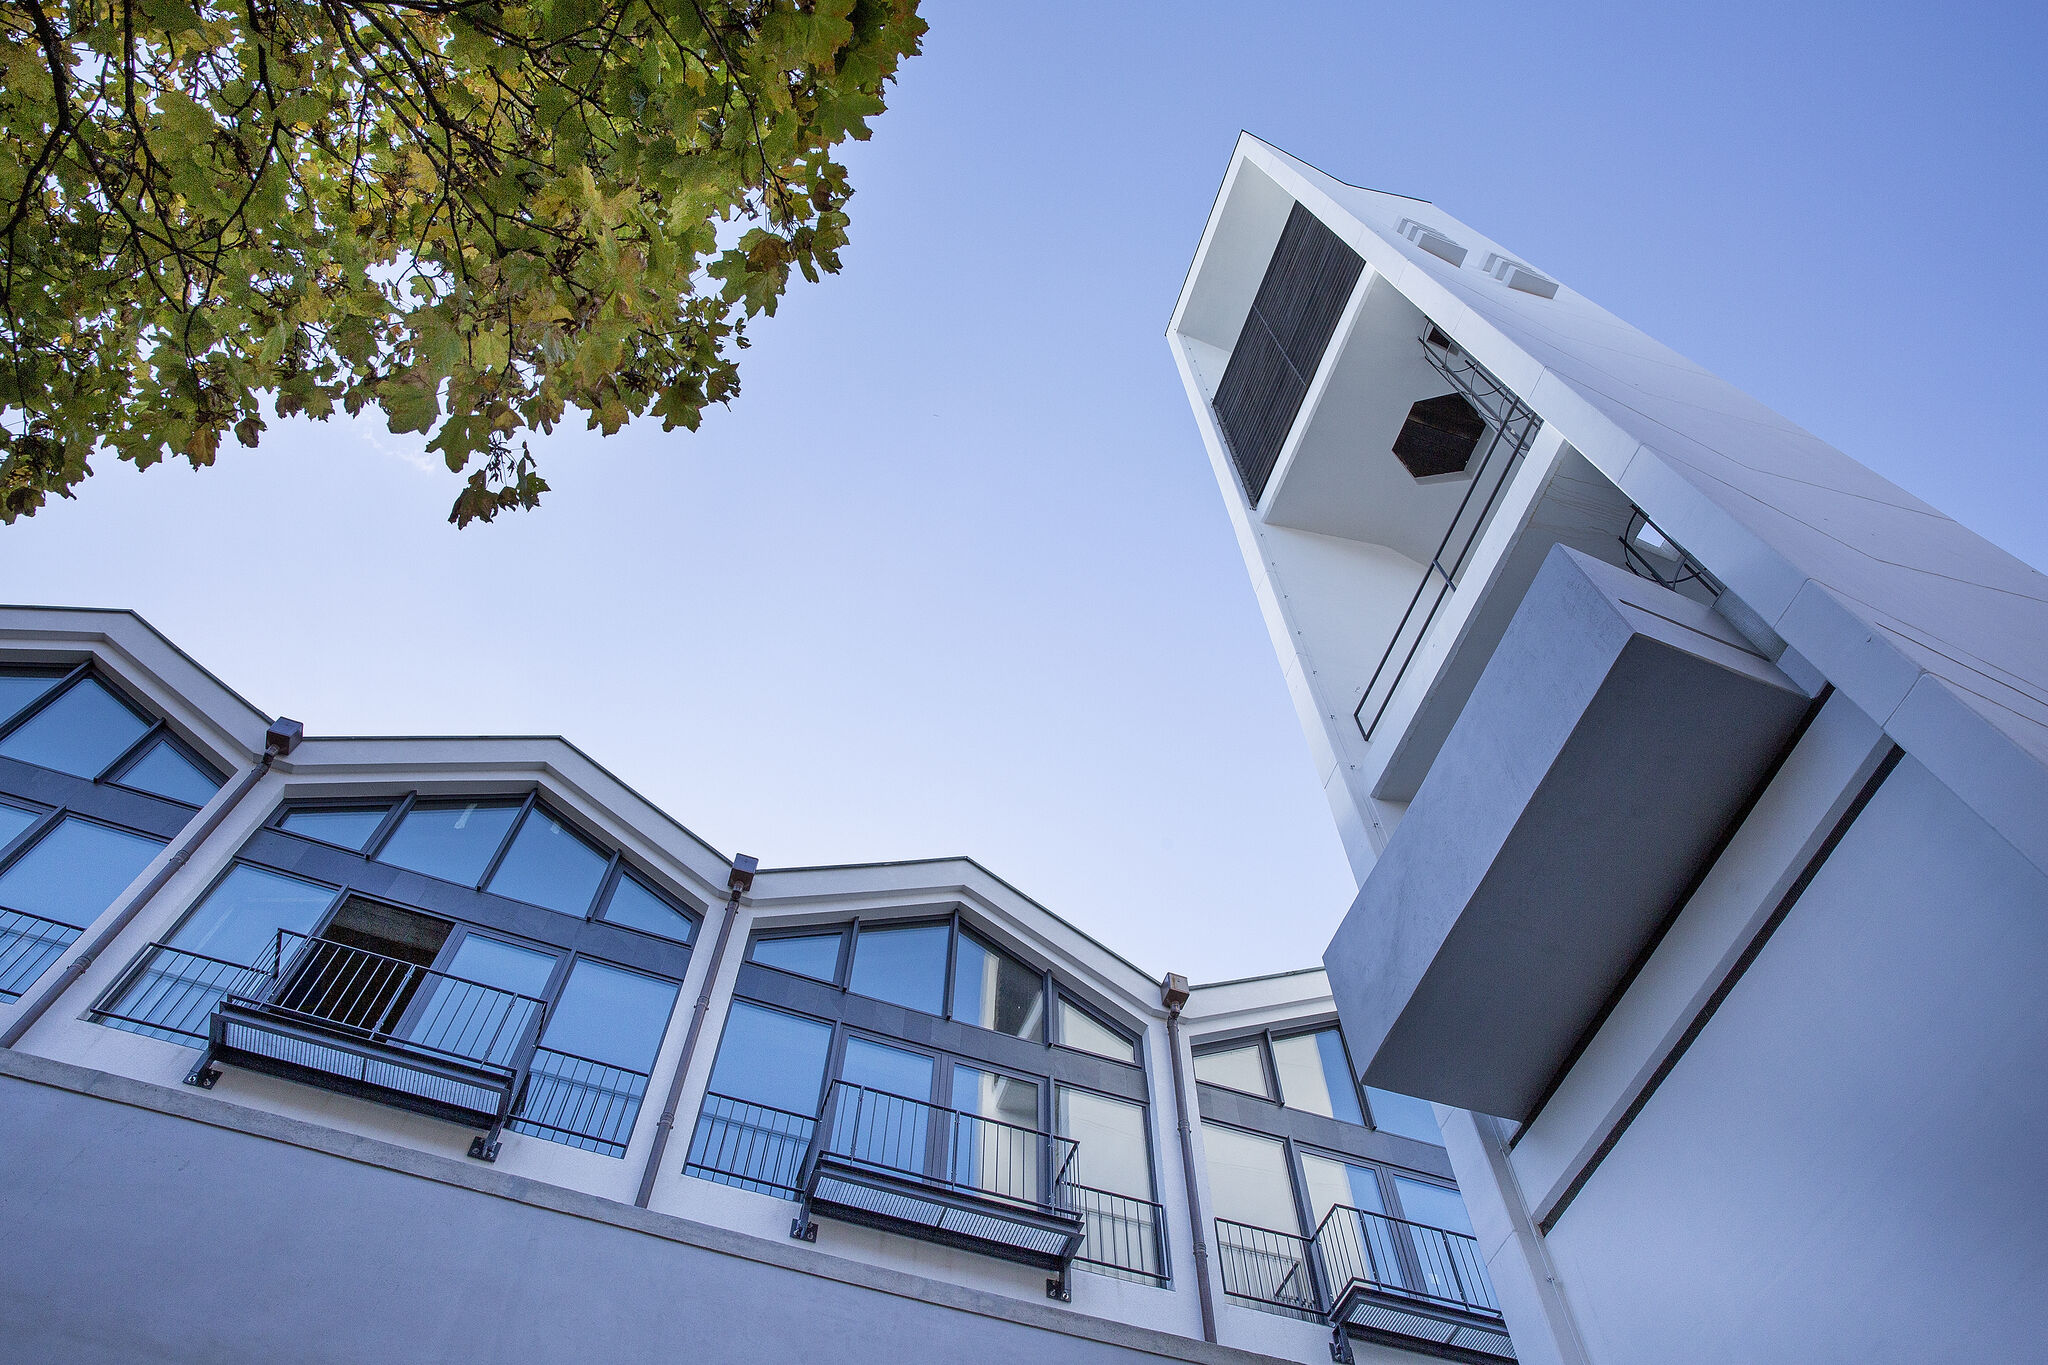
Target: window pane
<point>550,866</point>
<point>891,1070</point>
<point>1237,1068</point>
<point>243,914</point>
<point>809,955</point>
<point>994,990</point>
<point>75,871</point>
<point>889,1122</point>
<point>1405,1115</point>
<point>768,1057</point>
<point>458,1018</point>
<point>19,689</point>
<point>1313,1075</point>
<point>1002,1156</point>
<point>905,966</point>
<point>454,842</point>
<point>1114,1154</point>
<point>1331,1183</point>
<point>14,821</point>
<point>1432,1205</point>
<point>1248,1179</point>
<point>634,906</point>
<point>164,770</point>
<point>79,733</point>
<point>350,827</point>
<point>1080,1029</point>
<point>611,1015</point>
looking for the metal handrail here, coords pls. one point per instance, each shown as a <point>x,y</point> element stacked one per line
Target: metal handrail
<point>580,1101</point>
<point>29,943</point>
<point>1268,1266</point>
<point>1412,1260</point>
<point>171,990</point>
<point>387,1000</point>
<point>754,1146</point>
<point>1121,1232</point>
<point>950,1148</point>
<point>1509,421</point>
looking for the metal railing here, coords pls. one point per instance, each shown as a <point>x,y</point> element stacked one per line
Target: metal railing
<point>1412,1260</point>
<point>579,1101</point>
<point>171,993</point>
<point>1120,1234</point>
<point>1268,1268</point>
<point>1511,426</point>
<point>754,1146</point>
<point>28,945</point>
<point>948,1148</point>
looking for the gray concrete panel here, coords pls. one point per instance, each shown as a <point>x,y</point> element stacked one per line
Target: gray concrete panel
<point>1613,737</point>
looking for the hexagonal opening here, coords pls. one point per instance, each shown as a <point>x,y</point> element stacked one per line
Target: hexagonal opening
<point>1439,437</point>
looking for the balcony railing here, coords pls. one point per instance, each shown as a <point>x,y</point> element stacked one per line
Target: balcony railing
<point>943,1175</point>
<point>28,945</point>
<point>1393,1256</point>
<point>1511,426</point>
<point>1268,1268</point>
<point>580,1102</point>
<point>754,1146</point>
<point>342,1018</point>
<point>1121,1235</point>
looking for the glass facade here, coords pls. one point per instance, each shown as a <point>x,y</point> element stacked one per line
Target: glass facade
<point>165,770</point>
<point>1316,1075</point>
<point>550,865</point>
<point>1248,1180</point>
<point>634,906</point>
<point>348,827</point>
<point>453,841</point>
<point>903,966</point>
<point>1082,1030</point>
<point>81,732</point>
<point>1237,1068</point>
<point>812,955</point>
<point>994,990</point>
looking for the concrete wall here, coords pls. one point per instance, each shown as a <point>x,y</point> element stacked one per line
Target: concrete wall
<point>150,1224</point>
<point>1845,1163</point>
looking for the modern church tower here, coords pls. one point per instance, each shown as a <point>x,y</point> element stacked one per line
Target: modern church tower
<point>1696,783</point>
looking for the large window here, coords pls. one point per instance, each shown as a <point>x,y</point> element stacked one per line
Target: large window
<point>56,877</point>
<point>525,951</point>
<point>1311,1071</point>
<point>77,724</point>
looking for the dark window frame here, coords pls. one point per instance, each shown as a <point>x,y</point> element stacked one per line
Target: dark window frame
<point>1265,1037</point>
<point>155,726</point>
<point>1062,995</point>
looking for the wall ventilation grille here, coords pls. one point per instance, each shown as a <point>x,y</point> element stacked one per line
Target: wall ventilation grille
<point>1515,275</point>
<point>1307,284</point>
<point>1432,241</point>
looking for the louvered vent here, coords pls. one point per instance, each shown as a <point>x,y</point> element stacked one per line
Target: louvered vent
<point>1307,284</point>
<point>1432,241</point>
<point>1515,275</point>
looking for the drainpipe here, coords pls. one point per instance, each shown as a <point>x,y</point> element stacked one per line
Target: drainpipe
<point>280,739</point>
<point>1173,993</point>
<point>738,883</point>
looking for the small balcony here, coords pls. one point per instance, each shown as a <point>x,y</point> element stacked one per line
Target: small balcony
<point>1370,1277</point>
<point>360,1023</point>
<point>945,1176</point>
<point>28,945</point>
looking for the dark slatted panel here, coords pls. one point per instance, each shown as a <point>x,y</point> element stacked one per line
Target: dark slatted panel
<point>1306,286</point>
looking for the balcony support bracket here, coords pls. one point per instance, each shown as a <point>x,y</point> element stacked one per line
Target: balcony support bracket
<point>203,1073</point>
<point>1340,1346</point>
<point>484,1146</point>
<point>802,1229</point>
<point>1061,1286</point>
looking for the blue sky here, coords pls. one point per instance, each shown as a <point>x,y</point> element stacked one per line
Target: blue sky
<point>953,576</point>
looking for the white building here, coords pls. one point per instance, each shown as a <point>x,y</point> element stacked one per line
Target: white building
<point>350,1049</point>
<point>1696,783</point>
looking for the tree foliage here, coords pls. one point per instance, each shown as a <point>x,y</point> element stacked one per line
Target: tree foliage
<point>474,215</point>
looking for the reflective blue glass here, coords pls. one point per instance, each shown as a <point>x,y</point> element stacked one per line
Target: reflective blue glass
<point>814,955</point>
<point>904,966</point>
<point>611,1015</point>
<point>996,991</point>
<point>453,842</point>
<point>239,918</point>
<point>19,689</point>
<point>634,906</point>
<point>458,1018</point>
<point>79,733</point>
<point>549,865</point>
<point>74,872</point>
<point>350,827</point>
<point>164,770</point>
<point>772,1058</point>
<point>1403,1114</point>
<point>14,821</point>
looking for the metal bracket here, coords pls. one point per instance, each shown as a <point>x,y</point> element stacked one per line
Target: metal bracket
<point>803,1229</point>
<point>1062,1287</point>
<point>203,1073</point>
<point>484,1146</point>
<point>1340,1346</point>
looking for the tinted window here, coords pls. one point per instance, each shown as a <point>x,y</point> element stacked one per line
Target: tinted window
<point>457,1017</point>
<point>1238,1068</point>
<point>1403,1114</point>
<point>1080,1029</point>
<point>239,919</point>
<point>611,1015</point>
<point>452,842</point>
<point>994,990</point>
<point>1432,1205</point>
<point>350,827</point>
<point>1114,1154</point>
<point>14,822</point>
<point>75,871</point>
<point>1248,1179</point>
<point>768,1057</point>
<point>1314,1075</point>
<point>1331,1183</point>
<point>634,906</point>
<point>549,865</point>
<point>807,955</point>
<point>164,770</point>
<point>905,966</point>
<point>79,733</point>
<point>17,690</point>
